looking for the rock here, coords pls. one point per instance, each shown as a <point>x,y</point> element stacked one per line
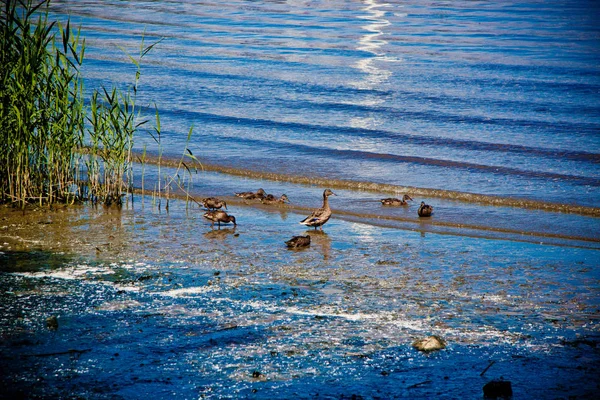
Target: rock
<point>52,323</point>
<point>497,389</point>
<point>431,343</point>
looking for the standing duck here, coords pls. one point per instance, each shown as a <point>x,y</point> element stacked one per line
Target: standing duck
<point>260,193</point>
<point>321,216</point>
<point>218,217</point>
<point>270,199</point>
<point>392,201</point>
<point>425,210</point>
<point>298,241</point>
<point>212,203</point>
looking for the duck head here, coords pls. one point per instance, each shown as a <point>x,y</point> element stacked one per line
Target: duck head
<point>328,192</point>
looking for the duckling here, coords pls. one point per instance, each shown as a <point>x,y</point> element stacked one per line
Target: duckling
<point>212,203</point>
<point>270,199</point>
<point>260,193</point>
<point>392,201</point>
<point>320,216</point>
<point>298,241</point>
<point>218,217</point>
<point>425,210</point>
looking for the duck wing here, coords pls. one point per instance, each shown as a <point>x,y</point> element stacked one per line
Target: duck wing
<point>316,215</point>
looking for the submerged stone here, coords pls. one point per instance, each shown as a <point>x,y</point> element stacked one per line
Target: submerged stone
<point>431,343</point>
<point>52,323</point>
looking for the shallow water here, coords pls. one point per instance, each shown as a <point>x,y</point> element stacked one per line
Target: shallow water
<point>160,304</point>
<point>444,101</point>
<point>485,98</point>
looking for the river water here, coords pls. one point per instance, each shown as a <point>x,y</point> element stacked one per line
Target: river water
<point>489,111</point>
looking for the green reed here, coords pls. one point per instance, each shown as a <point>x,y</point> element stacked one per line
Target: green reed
<point>41,105</point>
<point>54,148</point>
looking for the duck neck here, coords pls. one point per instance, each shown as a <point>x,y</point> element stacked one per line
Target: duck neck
<point>325,201</point>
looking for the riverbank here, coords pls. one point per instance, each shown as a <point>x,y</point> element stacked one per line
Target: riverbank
<point>157,303</point>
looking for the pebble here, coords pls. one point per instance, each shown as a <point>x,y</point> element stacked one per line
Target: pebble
<point>431,343</point>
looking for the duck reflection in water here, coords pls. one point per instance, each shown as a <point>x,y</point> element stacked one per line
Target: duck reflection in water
<point>321,241</point>
<point>220,233</point>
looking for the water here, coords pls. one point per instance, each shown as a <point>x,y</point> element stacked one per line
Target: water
<point>489,111</point>
<point>478,98</point>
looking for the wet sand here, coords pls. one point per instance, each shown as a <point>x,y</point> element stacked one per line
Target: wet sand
<point>156,303</point>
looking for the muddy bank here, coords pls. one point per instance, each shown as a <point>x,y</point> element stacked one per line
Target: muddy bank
<point>158,304</point>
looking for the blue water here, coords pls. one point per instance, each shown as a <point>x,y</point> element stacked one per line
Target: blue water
<point>499,99</point>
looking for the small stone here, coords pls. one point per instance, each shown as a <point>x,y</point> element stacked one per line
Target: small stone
<point>256,375</point>
<point>431,343</point>
<point>52,323</point>
<point>497,389</point>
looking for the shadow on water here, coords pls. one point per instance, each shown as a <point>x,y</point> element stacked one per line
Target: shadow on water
<point>321,241</point>
<point>32,261</point>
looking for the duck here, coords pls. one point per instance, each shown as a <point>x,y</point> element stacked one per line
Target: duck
<point>425,210</point>
<point>212,203</point>
<point>260,194</point>
<point>270,199</point>
<point>320,216</point>
<point>298,241</point>
<point>219,217</point>
<point>392,201</point>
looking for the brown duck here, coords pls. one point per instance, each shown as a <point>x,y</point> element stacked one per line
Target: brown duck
<point>219,217</point>
<point>212,203</point>
<point>260,194</point>
<point>392,201</point>
<point>425,210</point>
<point>321,216</point>
<point>298,241</point>
<point>270,199</point>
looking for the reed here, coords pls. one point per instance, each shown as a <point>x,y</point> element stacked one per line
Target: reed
<point>41,105</point>
<point>44,123</point>
<point>182,181</point>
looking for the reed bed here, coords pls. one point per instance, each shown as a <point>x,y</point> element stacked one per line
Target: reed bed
<point>54,147</point>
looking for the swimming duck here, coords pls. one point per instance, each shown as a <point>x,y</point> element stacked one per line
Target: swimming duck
<point>425,210</point>
<point>212,203</point>
<point>392,201</point>
<point>260,193</point>
<point>270,199</point>
<point>321,216</point>
<point>298,241</point>
<point>218,217</point>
